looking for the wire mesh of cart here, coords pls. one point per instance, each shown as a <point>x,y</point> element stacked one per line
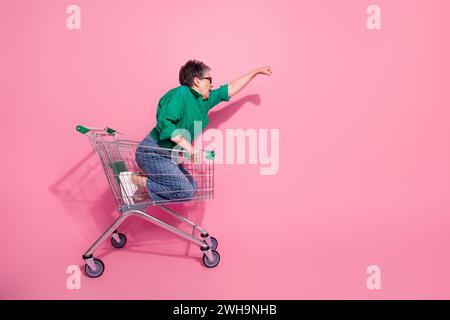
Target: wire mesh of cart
<point>128,183</point>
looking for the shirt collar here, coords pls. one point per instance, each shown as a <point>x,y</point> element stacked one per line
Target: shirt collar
<point>195,93</point>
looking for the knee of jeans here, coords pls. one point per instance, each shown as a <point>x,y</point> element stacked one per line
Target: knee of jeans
<point>194,187</point>
<point>189,191</point>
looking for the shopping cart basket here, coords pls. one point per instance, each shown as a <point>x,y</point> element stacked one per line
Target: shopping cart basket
<point>128,185</point>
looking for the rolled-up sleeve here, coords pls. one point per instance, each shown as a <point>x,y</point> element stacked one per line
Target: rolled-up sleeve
<point>218,95</point>
<point>167,123</point>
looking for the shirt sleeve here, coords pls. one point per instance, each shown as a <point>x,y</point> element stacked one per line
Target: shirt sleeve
<point>171,116</point>
<point>218,95</point>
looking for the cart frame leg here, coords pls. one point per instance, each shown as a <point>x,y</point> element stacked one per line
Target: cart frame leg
<point>194,226</point>
<point>202,244</point>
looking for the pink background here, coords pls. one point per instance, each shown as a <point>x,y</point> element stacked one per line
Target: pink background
<point>364,172</point>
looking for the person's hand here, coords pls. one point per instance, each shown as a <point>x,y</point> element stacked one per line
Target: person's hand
<point>197,156</point>
<point>265,70</point>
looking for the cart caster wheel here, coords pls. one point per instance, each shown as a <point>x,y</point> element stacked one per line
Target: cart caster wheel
<point>214,243</point>
<point>100,267</point>
<point>211,263</point>
<point>121,244</point>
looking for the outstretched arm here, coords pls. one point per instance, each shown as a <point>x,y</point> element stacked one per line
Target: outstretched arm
<point>237,85</point>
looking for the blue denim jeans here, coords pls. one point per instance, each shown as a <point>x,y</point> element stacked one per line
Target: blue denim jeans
<point>167,180</point>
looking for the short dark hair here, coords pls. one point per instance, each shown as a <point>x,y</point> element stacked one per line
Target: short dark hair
<point>192,69</point>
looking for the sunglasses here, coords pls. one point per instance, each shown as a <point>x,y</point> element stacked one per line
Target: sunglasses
<point>209,78</point>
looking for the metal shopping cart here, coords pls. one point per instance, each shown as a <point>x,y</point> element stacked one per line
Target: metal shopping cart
<point>128,185</point>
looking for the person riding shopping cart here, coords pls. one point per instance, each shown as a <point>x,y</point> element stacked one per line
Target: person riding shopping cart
<point>166,176</point>
<point>177,112</point>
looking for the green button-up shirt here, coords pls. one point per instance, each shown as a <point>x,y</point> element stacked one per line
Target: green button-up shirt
<point>180,108</point>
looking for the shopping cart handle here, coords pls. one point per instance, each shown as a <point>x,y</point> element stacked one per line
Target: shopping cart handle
<point>84,130</point>
<point>209,154</point>
<point>110,130</point>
